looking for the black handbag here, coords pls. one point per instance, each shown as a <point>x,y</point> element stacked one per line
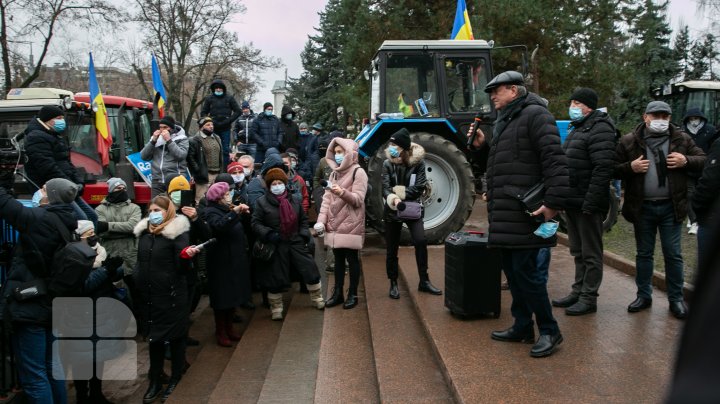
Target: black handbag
<point>532,199</point>
<point>263,251</point>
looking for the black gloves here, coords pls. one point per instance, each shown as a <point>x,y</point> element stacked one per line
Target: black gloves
<point>102,227</point>
<point>111,266</point>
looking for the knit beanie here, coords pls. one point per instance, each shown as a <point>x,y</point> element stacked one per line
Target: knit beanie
<point>49,112</point>
<point>115,182</point>
<point>217,191</point>
<point>169,121</point>
<point>587,96</point>
<point>275,174</point>
<point>60,190</point>
<point>234,166</point>
<point>226,178</point>
<point>84,226</point>
<point>245,105</point>
<point>401,138</point>
<point>179,183</point>
<point>266,105</point>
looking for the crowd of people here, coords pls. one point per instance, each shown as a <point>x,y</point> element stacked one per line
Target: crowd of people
<point>233,202</point>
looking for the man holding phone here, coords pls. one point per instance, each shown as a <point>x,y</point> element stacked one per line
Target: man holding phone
<point>166,151</point>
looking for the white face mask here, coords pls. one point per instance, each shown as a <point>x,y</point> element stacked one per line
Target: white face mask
<point>277,189</point>
<point>694,121</point>
<point>658,126</point>
<point>238,178</point>
<point>247,171</point>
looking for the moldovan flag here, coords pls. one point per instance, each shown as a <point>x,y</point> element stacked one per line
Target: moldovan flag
<point>159,99</point>
<point>461,27</point>
<point>102,126</point>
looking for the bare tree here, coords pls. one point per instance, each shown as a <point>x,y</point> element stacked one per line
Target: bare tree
<point>26,20</point>
<point>193,47</point>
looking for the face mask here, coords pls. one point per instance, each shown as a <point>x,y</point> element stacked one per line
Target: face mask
<point>246,113</point>
<point>247,171</point>
<point>238,177</point>
<point>694,121</point>
<point>303,133</point>
<point>92,241</point>
<point>659,125</point>
<point>339,158</point>
<point>207,131</point>
<point>575,113</point>
<point>268,112</point>
<point>277,189</point>
<point>59,125</point>
<point>155,218</point>
<point>117,196</point>
<point>288,117</point>
<point>176,197</point>
<point>547,229</point>
<point>228,199</point>
<point>219,93</point>
<point>293,165</point>
<point>37,196</point>
<point>394,152</point>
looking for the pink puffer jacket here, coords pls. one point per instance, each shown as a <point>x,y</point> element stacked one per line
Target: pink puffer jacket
<point>344,216</point>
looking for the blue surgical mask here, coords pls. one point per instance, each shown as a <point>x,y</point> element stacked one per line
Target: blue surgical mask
<point>277,189</point>
<point>304,133</point>
<point>547,229</point>
<point>155,218</point>
<point>394,152</point>
<point>288,117</point>
<point>37,196</point>
<point>268,112</point>
<point>219,93</point>
<point>59,125</point>
<point>575,113</point>
<point>339,158</point>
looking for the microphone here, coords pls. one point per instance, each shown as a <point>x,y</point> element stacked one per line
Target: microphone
<point>325,183</point>
<point>184,254</point>
<point>401,206</point>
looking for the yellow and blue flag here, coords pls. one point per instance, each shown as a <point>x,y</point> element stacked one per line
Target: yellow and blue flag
<point>159,98</point>
<point>102,126</point>
<point>461,27</point>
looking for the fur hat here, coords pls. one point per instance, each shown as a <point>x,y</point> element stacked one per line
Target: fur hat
<point>401,138</point>
<point>217,191</point>
<point>84,226</point>
<point>178,183</point>
<point>587,96</point>
<point>169,121</point>
<point>60,190</point>
<point>275,174</point>
<point>49,112</point>
<point>115,182</point>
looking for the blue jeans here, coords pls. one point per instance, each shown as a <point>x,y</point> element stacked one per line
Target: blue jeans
<point>259,156</point>
<point>617,184</point>
<point>83,211</point>
<point>528,287</point>
<point>225,140</point>
<point>654,216</point>
<point>543,262</point>
<point>248,148</point>
<point>35,364</point>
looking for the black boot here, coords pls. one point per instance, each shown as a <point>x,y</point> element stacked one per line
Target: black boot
<point>81,392</point>
<point>336,298</point>
<point>351,301</point>
<point>153,391</point>
<point>96,394</point>
<point>170,388</point>
<point>394,292</point>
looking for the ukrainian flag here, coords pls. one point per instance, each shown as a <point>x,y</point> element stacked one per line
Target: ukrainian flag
<point>461,27</point>
<point>160,98</point>
<point>101,118</point>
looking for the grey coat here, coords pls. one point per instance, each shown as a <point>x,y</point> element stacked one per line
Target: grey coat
<point>169,159</point>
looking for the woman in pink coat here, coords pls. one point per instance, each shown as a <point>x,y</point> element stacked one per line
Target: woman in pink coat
<point>342,217</point>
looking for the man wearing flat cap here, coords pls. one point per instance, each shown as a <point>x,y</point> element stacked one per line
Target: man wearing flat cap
<point>654,162</point>
<point>590,151</point>
<point>524,151</point>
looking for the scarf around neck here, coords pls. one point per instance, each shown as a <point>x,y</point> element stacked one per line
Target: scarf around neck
<point>506,114</point>
<point>655,142</point>
<point>158,228</point>
<point>288,218</point>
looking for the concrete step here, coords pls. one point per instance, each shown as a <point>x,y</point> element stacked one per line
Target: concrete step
<point>292,373</point>
<point>346,368</point>
<point>608,356</point>
<point>407,370</point>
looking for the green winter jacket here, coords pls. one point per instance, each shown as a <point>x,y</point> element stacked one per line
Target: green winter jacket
<point>119,240</point>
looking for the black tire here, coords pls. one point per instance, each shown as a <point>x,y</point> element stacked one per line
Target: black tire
<point>442,216</point>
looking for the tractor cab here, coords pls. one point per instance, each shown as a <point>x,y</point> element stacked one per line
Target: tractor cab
<point>703,94</point>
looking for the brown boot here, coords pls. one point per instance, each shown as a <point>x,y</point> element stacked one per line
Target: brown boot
<point>229,329</point>
<point>220,329</point>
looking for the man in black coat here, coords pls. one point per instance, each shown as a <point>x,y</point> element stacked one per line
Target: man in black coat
<point>242,131</point>
<point>590,151</point>
<point>224,110</point>
<point>524,151</point>
<point>266,132</point>
<point>291,131</point>
<point>204,157</point>
<point>706,201</point>
<point>703,134</point>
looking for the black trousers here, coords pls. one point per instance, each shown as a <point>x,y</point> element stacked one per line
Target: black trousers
<point>157,358</point>
<point>353,260</point>
<point>392,242</point>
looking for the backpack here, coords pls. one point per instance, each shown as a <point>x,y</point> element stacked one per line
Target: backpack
<point>71,264</point>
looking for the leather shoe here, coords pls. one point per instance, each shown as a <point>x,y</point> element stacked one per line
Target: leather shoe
<point>427,287</point>
<point>580,308</point>
<point>546,345</point>
<point>394,292</point>
<point>350,302</point>
<point>639,304</point>
<point>566,301</point>
<point>511,335</point>
<point>679,309</point>
<point>153,392</point>
<point>169,389</point>
<point>336,298</point>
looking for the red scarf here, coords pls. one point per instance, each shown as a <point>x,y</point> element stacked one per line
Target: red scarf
<point>288,218</point>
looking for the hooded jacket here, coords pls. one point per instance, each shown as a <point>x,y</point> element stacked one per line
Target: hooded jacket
<point>706,135</point>
<point>48,155</point>
<point>291,130</point>
<point>397,179</point>
<point>707,190</point>
<point>167,159</point>
<point>119,240</point>
<point>344,215</point>
<point>224,110</point>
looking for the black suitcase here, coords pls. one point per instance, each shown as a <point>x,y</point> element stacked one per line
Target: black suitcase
<point>472,275</point>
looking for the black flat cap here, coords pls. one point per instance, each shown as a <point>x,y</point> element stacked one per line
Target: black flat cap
<point>509,77</point>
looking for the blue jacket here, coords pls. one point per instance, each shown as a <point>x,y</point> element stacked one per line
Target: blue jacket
<point>266,132</point>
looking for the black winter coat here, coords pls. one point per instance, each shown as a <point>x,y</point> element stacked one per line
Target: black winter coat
<point>632,146</point>
<point>196,161</point>
<point>266,132</point>
<point>224,110</point>
<point>525,153</point>
<point>48,155</point>
<point>228,267</point>
<point>396,179</point>
<point>590,151</point>
<point>291,130</point>
<point>38,241</point>
<point>161,280</point>
<point>242,128</point>
<point>707,190</point>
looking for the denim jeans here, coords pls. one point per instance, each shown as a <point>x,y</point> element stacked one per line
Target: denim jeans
<point>36,364</point>
<point>225,141</point>
<point>543,262</point>
<point>654,216</point>
<point>248,148</point>
<point>528,287</point>
<point>83,211</point>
